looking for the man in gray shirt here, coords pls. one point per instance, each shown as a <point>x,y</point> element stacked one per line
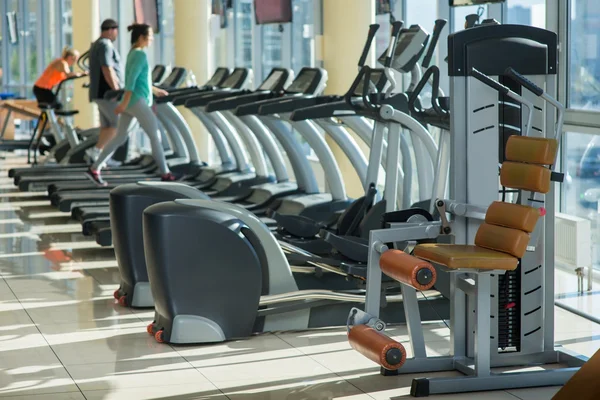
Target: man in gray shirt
<point>105,75</point>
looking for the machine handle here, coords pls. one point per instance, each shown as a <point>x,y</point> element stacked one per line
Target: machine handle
<point>414,95</point>
<point>532,87</point>
<point>396,28</point>
<point>366,87</point>
<point>354,86</point>
<point>489,81</point>
<point>437,32</point>
<point>373,28</point>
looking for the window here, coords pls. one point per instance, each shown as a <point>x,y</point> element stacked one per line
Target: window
<point>423,12</point>
<point>31,50</point>
<point>243,21</point>
<point>584,69</point>
<point>303,29</point>
<point>167,32</point>
<point>50,30</point>
<point>14,50</point>
<point>527,12</point>
<point>67,23</point>
<point>581,189</point>
<point>459,15</point>
<point>384,19</point>
<point>272,46</point>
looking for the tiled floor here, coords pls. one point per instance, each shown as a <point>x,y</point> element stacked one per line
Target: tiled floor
<point>63,337</point>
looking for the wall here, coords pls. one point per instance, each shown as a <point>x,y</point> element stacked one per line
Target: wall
<point>344,36</point>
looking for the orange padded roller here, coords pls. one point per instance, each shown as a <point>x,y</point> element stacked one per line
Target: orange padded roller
<point>377,347</point>
<point>408,269</point>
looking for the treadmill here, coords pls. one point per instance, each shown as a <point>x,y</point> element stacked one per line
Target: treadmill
<point>239,78</point>
<point>64,199</point>
<point>158,74</point>
<point>39,178</point>
<point>222,79</point>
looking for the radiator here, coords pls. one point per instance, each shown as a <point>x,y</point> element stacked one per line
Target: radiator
<point>573,244</point>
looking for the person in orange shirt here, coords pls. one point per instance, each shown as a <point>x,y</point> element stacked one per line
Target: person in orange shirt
<point>56,72</point>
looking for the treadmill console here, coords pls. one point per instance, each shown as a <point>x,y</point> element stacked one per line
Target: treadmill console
<point>277,80</point>
<point>239,78</point>
<point>218,76</point>
<point>175,78</point>
<point>310,81</point>
<point>411,44</point>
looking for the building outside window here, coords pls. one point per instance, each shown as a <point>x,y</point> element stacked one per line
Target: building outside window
<point>527,12</point>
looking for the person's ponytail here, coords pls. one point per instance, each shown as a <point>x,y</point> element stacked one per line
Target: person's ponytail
<point>137,31</point>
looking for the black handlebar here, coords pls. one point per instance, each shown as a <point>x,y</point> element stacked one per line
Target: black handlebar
<point>83,61</point>
<point>437,31</point>
<point>373,28</point>
<point>435,89</point>
<point>489,81</point>
<point>114,94</point>
<point>396,28</point>
<point>71,78</point>
<point>532,87</point>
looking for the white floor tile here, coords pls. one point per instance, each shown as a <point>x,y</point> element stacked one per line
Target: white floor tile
<point>71,310</point>
<point>180,392</point>
<point>118,348</point>
<point>35,380</point>
<point>260,348</point>
<point>35,357</point>
<point>535,393</point>
<point>56,396</point>
<point>56,282</point>
<point>230,375</point>
<point>57,334</point>
<point>16,318</point>
<point>10,305</point>
<point>324,389</point>
<point>26,337</point>
<point>138,374</point>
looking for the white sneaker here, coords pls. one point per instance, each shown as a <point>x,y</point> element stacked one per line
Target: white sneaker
<point>113,163</point>
<point>93,153</point>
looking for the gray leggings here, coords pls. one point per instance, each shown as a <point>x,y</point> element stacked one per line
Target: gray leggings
<point>147,120</point>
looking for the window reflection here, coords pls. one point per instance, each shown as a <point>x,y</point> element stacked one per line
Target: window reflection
<point>302,34</point>
<point>31,44</point>
<point>527,12</point>
<point>272,44</point>
<point>584,69</point>
<point>581,189</point>
<point>459,15</point>
<point>243,33</point>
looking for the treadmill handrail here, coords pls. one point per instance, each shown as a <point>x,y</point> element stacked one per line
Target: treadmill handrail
<point>254,108</point>
<point>231,103</point>
<point>203,99</point>
<point>326,110</point>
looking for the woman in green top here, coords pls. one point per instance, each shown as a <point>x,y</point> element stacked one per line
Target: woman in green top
<point>136,103</point>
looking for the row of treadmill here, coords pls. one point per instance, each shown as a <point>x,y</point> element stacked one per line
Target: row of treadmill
<point>253,243</point>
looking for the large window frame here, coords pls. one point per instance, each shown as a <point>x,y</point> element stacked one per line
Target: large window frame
<point>22,85</point>
<point>258,33</point>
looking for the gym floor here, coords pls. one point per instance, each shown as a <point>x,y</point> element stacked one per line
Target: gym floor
<point>62,335</point>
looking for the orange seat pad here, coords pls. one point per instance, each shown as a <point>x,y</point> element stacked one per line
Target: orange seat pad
<point>531,150</point>
<point>466,256</point>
